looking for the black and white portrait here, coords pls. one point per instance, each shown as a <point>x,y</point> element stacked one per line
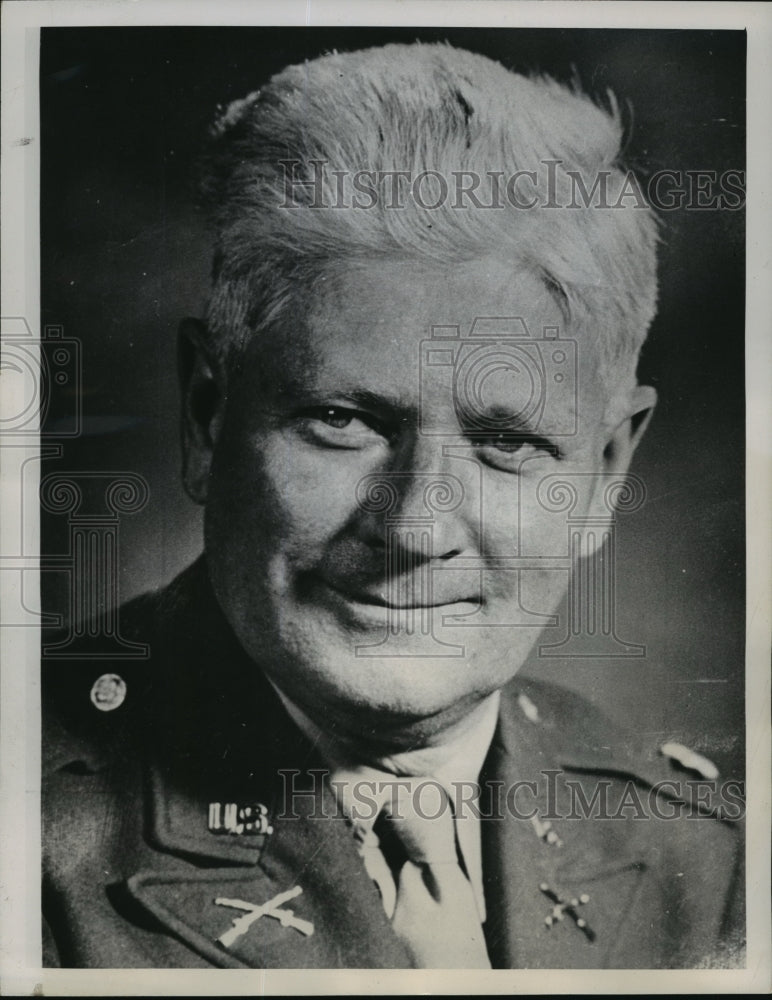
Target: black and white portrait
<point>391,486</point>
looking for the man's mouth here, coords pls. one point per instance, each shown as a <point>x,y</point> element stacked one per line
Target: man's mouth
<point>403,597</point>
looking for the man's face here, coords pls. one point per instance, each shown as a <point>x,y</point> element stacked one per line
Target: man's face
<point>378,524</point>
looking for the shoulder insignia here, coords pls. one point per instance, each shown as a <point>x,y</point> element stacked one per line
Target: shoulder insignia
<point>689,759</point>
<point>529,710</point>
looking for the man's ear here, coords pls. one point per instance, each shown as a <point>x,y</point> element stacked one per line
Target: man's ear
<point>202,387</point>
<point>627,432</point>
<point>631,418</point>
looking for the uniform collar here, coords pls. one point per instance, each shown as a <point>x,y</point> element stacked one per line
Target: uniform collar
<point>455,763</point>
<point>459,757</point>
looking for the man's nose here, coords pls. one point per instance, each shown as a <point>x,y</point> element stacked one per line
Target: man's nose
<point>425,504</point>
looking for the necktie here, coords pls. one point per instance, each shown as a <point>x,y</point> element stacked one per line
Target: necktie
<point>435,914</point>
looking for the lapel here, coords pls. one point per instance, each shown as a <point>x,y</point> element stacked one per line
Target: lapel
<point>313,852</point>
<point>592,858</point>
<point>220,734</point>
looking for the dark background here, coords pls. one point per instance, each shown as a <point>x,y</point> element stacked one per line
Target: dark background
<point>125,255</point>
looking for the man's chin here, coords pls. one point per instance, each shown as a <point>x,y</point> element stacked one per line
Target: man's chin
<point>400,697</point>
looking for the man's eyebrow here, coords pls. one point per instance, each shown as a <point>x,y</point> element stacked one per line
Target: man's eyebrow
<point>392,402</point>
<point>298,388</point>
<point>483,420</point>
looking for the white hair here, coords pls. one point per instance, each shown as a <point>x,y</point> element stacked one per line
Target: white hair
<point>420,108</point>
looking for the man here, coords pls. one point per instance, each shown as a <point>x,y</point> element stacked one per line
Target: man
<point>432,280</point>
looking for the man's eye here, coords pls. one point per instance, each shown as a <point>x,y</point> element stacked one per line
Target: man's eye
<point>507,443</point>
<point>507,450</point>
<point>340,427</point>
<point>336,417</point>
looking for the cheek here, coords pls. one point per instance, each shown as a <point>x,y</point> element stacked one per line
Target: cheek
<point>295,499</point>
<point>524,515</point>
<point>499,522</point>
<point>533,517</point>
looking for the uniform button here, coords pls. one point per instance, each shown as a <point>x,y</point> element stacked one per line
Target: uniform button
<point>108,692</point>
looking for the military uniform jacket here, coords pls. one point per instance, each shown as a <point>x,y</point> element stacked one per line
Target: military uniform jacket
<point>589,861</point>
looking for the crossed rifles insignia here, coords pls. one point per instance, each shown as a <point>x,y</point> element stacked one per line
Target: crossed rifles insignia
<point>252,913</point>
<point>563,907</point>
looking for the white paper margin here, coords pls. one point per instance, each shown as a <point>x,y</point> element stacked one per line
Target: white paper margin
<point>20,972</point>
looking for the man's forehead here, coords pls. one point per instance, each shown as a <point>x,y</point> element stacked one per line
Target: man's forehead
<point>430,291</point>
<point>386,301</point>
<point>370,325</point>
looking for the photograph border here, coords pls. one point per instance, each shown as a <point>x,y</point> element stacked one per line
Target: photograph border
<point>20,970</point>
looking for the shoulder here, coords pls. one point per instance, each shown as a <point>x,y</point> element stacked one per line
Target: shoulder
<point>182,672</point>
<point>100,719</point>
<point>659,807</point>
<point>87,700</point>
<point>95,688</point>
<point>581,740</point>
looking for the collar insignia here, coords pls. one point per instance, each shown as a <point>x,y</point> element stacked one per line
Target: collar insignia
<point>543,830</point>
<point>563,907</point>
<point>252,913</point>
<point>230,817</point>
